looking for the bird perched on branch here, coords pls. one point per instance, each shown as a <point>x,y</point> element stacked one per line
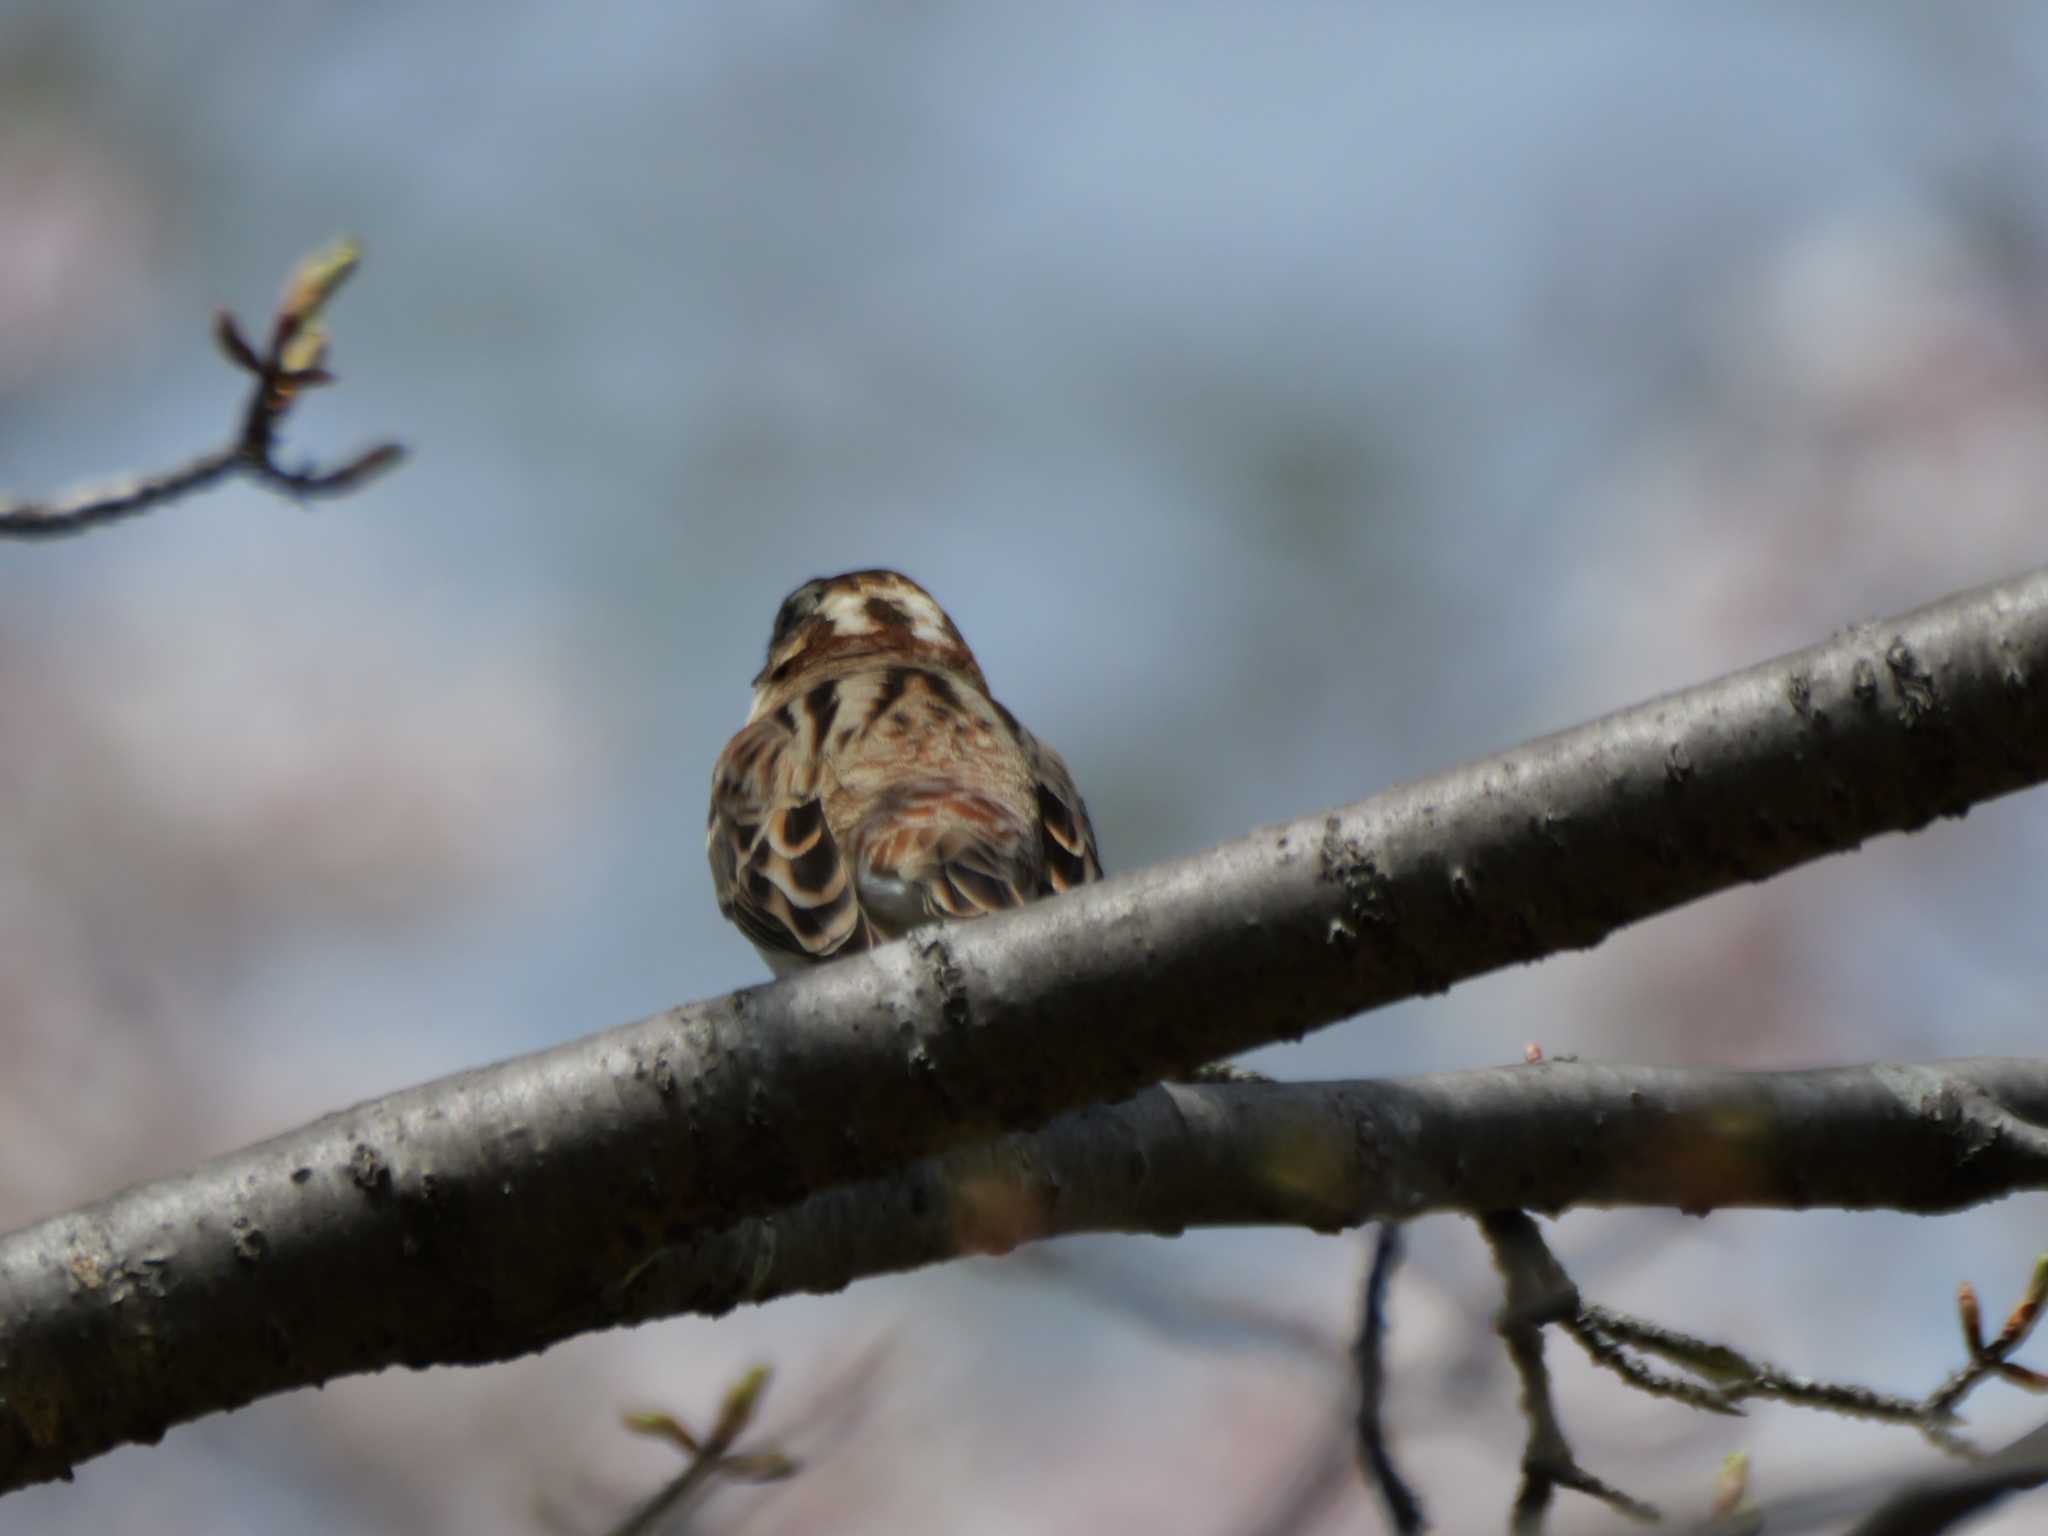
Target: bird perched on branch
<point>877,785</point>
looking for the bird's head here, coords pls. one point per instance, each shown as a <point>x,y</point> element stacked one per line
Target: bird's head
<point>859,614</point>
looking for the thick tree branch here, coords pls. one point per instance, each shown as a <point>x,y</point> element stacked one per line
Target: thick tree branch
<point>231,1312</point>
<point>497,1210</point>
<point>293,362</point>
<point>1326,1155</point>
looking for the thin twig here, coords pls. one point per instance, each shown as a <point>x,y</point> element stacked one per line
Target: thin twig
<point>1988,1359</point>
<point>1538,1291</point>
<point>1733,1376</point>
<point>1608,1354</point>
<point>712,1456</point>
<point>1728,1376</point>
<point>1925,1504</point>
<point>1928,1506</point>
<point>293,362</point>
<point>1375,1457</point>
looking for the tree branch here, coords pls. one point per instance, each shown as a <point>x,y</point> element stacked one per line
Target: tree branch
<point>1375,1455</point>
<point>1942,1502</point>
<point>1539,1293</point>
<point>1927,1504</point>
<point>496,1211</point>
<point>234,1311</point>
<point>293,362</point>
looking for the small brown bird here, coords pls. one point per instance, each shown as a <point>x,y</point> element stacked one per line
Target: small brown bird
<point>877,785</point>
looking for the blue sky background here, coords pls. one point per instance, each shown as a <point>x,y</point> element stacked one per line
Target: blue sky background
<point>1285,400</point>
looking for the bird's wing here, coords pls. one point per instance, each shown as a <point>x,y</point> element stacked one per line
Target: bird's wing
<point>1065,833</point>
<point>775,864</point>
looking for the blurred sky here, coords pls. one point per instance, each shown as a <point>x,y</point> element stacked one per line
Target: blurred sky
<point>1285,400</point>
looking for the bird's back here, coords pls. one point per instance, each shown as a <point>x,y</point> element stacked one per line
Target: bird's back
<point>878,785</point>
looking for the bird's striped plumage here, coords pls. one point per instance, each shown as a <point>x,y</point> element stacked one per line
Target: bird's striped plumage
<point>877,784</point>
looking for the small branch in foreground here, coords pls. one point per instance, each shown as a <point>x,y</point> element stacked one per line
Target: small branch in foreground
<point>1375,1456</point>
<point>1541,1293</point>
<point>1729,1377</point>
<point>293,362</point>
<point>1538,1293</point>
<point>1993,1359</point>
<point>1929,1506</point>
<point>1926,1505</point>
<point>710,1457</point>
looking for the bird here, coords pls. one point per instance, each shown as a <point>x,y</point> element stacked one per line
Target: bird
<point>877,784</point>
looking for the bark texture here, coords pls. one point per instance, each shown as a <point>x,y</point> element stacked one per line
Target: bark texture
<point>504,1208</point>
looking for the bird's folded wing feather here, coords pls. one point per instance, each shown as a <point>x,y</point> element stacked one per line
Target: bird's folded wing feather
<point>1067,837</point>
<point>775,864</point>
